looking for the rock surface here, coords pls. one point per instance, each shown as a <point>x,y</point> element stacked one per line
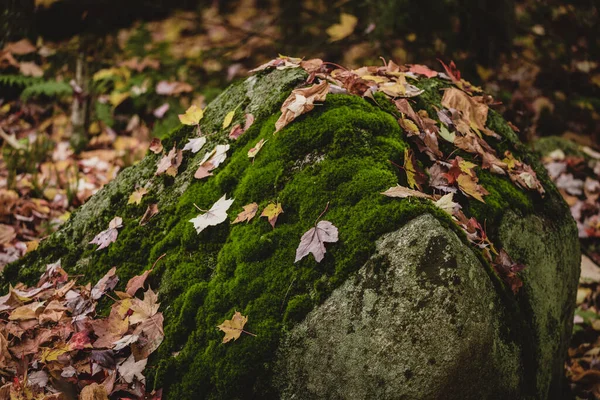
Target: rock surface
<point>401,307</point>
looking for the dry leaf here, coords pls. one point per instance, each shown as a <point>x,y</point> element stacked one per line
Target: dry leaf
<point>272,212</point>
<point>233,327</point>
<point>172,88</point>
<point>136,196</point>
<point>93,391</point>
<point>313,241</point>
<point>131,369</point>
<point>151,211</point>
<point>254,151</point>
<point>211,161</point>
<point>248,213</point>
<point>301,101</point>
<point>170,163</point>
<point>195,144</point>
<point>228,119</point>
<point>192,116</point>
<point>403,192</point>
<point>216,215</point>
<point>156,146</point>
<point>104,238</point>
<point>343,29</point>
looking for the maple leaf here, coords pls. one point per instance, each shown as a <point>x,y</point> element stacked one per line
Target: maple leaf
<point>28,311</point>
<point>192,116</point>
<point>470,187</point>
<point>447,203</point>
<point>151,330</point>
<point>234,327</point>
<point>173,88</point>
<point>237,130</point>
<point>211,161</point>
<point>131,369</point>
<point>414,175</point>
<point>106,237</point>
<point>507,269</point>
<point>151,211</point>
<point>137,282</point>
<point>143,310</point>
<point>422,70</point>
<point>136,196</point>
<point>343,29</point>
<point>195,144</point>
<point>474,112</point>
<point>254,151</point>
<point>301,101</point>
<point>170,163</point>
<point>272,211</point>
<point>313,241</point>
<point>93,391</point>
<point>110,329</point>
<point>156,146</point>
<point>106,283</point>
<point>248,213</point>
<point>403,192</point>
<point>216,215</point>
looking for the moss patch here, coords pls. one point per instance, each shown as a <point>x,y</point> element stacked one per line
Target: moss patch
<point>338,153</point>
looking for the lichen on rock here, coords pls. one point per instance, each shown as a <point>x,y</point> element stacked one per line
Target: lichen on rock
<point>340,154</point>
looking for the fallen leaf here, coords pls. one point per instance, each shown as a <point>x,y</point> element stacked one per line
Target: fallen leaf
<point>31,69</point>
<point>172,88</point>
<point>414,175</point>
<point>272,211</point>
<point>233,327</point>
<point>211,161</point>
<point>7,234</point>
<point>216,215</point>
<point>93,391</point>
<point>473,111</point>
<point>151,211</point>
<point>447,203</point>
<point>228,119</point>
<point>507,269</point>
<point>192,116</point>
<point>136,196</point>
<point>343,29</point>
<point>152,331</point>
<point>170,163</point>
<point>313,241</point>
<point>131,369</point>
<point>195,144</point>
<point>422,70</point>
<point>403,192</point>
<point>106,283</point>
<point>248,213</point>
<point>470,187</point>
<point>160,111</point>
<point>254,151</point>
<point>301,101</point>
<point>104,238</point>
<point>20,48</point>
<point>156,146</point>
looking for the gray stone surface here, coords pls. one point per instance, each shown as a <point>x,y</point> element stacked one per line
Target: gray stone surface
<point>420,320</point>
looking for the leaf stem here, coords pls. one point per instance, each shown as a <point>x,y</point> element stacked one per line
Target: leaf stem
<point>320,215</point>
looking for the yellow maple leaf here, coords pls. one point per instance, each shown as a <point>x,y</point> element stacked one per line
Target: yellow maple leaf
<point>411,171</point>
<point>469,187</point>
<point>136,197</point>
<point>343,29</point>
<point>52,354</point>
<point>272,211</point>
<point>192,116</point>
<point>234,327</point>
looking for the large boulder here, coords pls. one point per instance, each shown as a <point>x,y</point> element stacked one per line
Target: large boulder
<point>402,306</point>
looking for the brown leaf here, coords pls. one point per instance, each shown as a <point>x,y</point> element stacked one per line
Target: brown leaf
<point>156,146</point>
<point>105,284</point>
<point>403,192</point>
<point>301,101</point>
<point>93,391</point>
<point>248,213</point>
<point>422,70</point>
<point>20,48</point>
<point>474,112</point>
<point>470,187</point>
<point>152,332</point>
<point>136,196</point>
<point>137,282</point>
<point>172,88</point>
<point>170,163</point>
<point>151,211</point>
<point>31,69</point>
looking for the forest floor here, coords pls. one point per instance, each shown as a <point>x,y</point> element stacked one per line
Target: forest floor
<point>133,84</point>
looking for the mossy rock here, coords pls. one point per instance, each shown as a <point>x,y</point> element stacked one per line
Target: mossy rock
<point>402,287</point>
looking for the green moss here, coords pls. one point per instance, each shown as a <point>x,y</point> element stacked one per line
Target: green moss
<point>338,154</point>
